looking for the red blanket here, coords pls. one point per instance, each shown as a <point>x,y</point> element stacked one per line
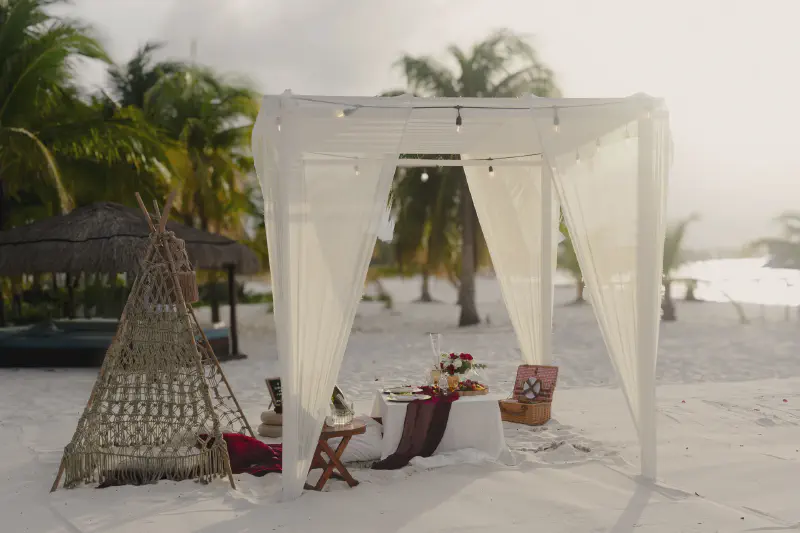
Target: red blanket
<point>251,456</point>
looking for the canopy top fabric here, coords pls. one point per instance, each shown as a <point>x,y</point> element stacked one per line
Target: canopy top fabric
<point>414,125</point>
<point>108,237</point>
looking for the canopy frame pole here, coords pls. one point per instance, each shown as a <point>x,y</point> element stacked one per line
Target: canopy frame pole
<point>647,297</point>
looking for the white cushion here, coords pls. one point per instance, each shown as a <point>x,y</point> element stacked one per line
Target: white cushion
<point>271,418</point>
<point>270,431</point>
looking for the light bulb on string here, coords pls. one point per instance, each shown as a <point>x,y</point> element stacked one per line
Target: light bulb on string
<point>459,121</point>
<point>358,172</point>
<point>556,120</point>
<point>278,123</point>
<point>340,113</point>
<point>491,169</point>
<point>578,157</point>
<point>599,144</point>
<point>424,177</point>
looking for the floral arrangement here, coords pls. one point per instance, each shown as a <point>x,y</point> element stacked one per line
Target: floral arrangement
<point>458,363</point>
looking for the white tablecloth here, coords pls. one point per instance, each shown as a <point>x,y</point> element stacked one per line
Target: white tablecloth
<point>474,422</point>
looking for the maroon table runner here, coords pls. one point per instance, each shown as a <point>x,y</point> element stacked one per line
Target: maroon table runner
<point>423,429</point>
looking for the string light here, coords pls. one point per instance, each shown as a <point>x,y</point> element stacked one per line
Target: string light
<point>358,172</point>
<point>599,145</point>
<point>458,119</point>
<point>347,111</point>
<point>491,169</point>
<point>424,176</point>
<point>556,120</point>
<point>578,157</point>
<point>278,123</point>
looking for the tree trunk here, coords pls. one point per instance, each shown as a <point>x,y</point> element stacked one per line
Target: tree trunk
<point>213,297</point>
<point>579,298</point>
<point>668,305</point>
<point>2,306</point>
<point>425,296</point>
<point>690,287</point>
<point>469,310</point>
<point>2,206</point>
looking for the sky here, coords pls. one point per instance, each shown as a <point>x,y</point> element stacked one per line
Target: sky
<point>728,70</point>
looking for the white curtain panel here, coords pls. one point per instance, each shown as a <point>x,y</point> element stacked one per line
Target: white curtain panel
<point>509,207</point>
<point>321,223</point>
<point>598,191</point>
<point>612,194</point>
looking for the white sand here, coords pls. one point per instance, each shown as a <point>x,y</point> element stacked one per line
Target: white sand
<point>729,456</point>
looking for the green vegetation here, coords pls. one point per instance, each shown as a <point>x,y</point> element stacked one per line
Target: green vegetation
<point>161,126</point>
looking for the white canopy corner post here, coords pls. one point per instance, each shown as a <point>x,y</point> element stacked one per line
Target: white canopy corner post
<point>518,216</point>
<point>654,160</point>
<point>612,196</point>
<point>322,224</point>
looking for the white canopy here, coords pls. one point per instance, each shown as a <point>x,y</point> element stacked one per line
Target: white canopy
<point>326,166</point>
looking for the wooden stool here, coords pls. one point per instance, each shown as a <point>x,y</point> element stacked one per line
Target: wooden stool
<point>334,461</point>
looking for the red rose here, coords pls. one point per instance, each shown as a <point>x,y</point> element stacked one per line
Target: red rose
<point>451,369</point>
<point>453,356</point>
<point>466,357</point>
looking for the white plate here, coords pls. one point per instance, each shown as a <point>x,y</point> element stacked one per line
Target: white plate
<point>407,389</point>
<point>408,397</point>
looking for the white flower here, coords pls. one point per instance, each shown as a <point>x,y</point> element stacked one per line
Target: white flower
<point>457,363</point>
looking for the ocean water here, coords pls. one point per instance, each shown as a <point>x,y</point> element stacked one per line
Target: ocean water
<point>744,280</point>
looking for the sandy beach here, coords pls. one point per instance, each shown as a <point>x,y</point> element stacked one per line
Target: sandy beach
<point>729,434</point>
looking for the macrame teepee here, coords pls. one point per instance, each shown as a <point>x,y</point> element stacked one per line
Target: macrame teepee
<point>161,401</point>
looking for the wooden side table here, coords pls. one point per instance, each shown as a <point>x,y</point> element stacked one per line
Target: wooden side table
<point>334,461</point>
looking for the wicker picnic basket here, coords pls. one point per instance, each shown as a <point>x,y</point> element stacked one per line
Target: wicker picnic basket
<point>531,414</point>
<point>520,408</point>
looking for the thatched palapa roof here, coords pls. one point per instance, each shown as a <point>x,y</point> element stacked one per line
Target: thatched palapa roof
<point>110,238</point>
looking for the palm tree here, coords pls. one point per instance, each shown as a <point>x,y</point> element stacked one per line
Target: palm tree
<point>45,125</point>
<point>784,251</point>
<point>425,212</point>
<point>210,123</point>
<point>132,81</point>
<point>568,260</point>
<point>502,65</point>
<point>673,246</point>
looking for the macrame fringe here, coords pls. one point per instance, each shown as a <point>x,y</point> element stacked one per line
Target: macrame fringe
<point>108,469</point>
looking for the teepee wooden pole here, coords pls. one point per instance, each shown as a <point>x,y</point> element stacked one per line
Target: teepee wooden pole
<point>146,213</point>
<point>167,208</point>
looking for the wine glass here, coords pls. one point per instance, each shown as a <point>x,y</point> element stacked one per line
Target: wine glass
<point>436,346</point>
